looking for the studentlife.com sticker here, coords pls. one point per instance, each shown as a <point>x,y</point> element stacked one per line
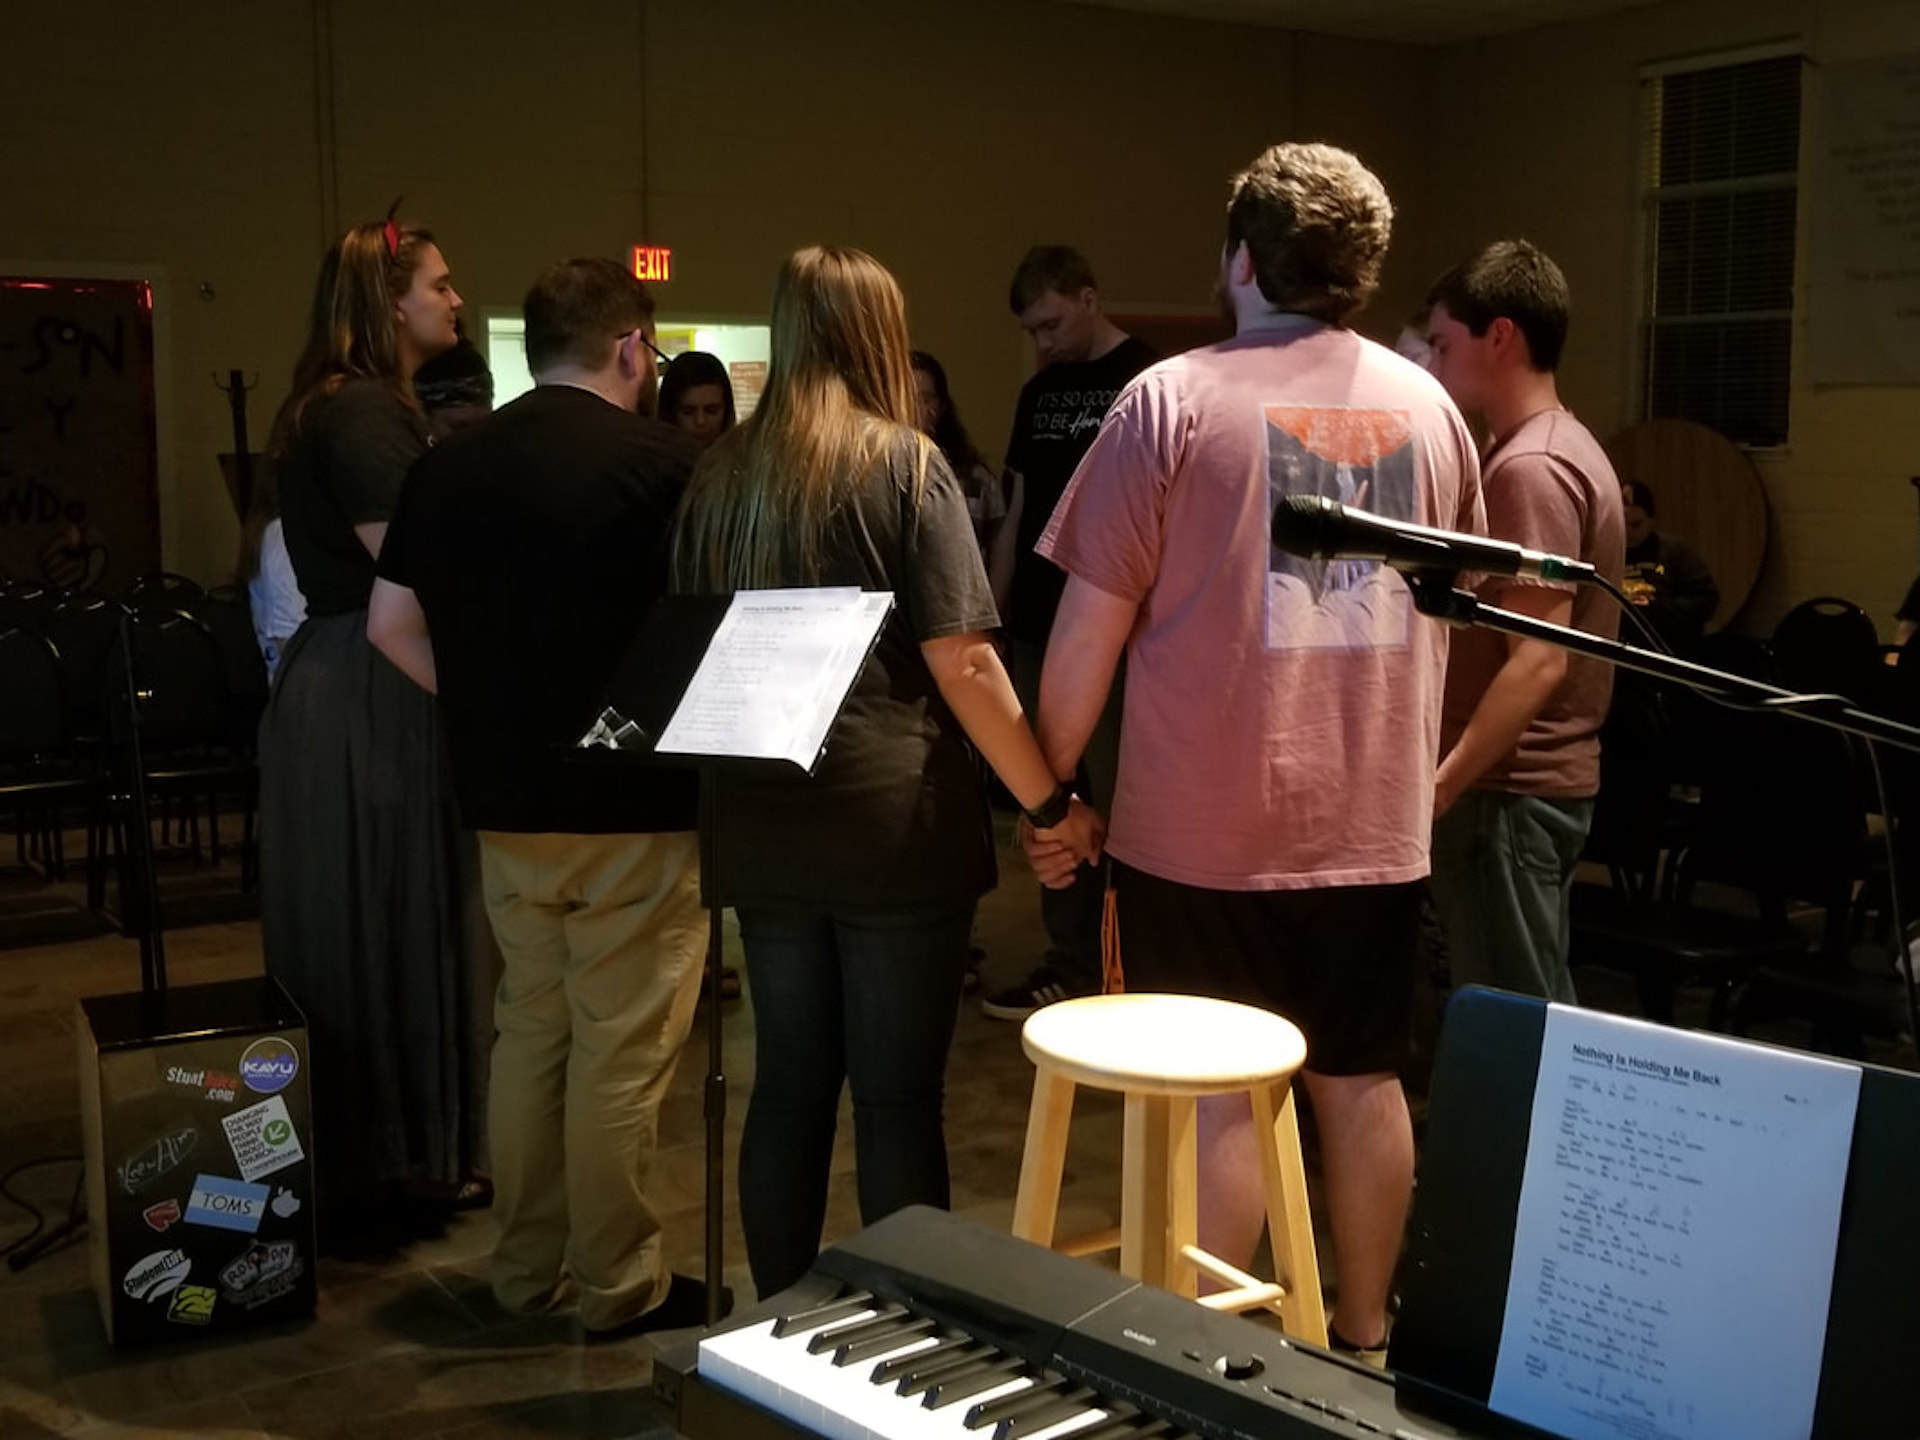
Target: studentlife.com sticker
<point>262,1138</point>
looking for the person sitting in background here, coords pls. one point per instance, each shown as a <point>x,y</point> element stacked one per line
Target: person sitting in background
<point>940,419</point>
<point>1665,578</point>
<point>455,388</point>
<point>697,396</point>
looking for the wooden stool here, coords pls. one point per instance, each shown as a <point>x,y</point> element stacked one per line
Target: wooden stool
<point>1162,1052</point>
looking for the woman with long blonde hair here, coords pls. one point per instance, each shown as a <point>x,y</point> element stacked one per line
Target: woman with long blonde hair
<point>362,912</point>
<point>855,887</point>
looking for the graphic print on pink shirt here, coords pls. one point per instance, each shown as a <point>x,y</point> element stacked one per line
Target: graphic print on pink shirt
<point>1358,457</point>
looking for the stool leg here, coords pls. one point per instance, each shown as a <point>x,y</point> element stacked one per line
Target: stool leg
<point>1143,1190</point>
<point>1289,1223</point>
<point>1036,1205</point>
<point>1183,1165</point>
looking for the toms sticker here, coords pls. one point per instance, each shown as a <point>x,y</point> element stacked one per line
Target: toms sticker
<point>192,1305</point>
<point>159,1274</point>
<point>269,1064</point>
<point>226,1204</point>
<point>262,1273</point>
<point>262,1138</point>
<point>159,1157</point>
<point>163,1215</point>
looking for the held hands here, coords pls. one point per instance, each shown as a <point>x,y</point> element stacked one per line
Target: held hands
<point>1056,853</point>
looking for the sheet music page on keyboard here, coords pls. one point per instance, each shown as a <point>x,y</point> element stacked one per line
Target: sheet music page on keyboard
<point>1676,1233</point>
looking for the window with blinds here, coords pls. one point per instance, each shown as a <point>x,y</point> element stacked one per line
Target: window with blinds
<point>1722,188</point>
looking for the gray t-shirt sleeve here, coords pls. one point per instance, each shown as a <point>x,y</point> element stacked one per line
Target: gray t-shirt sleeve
<point>372,441</point>
<point>946,591</point>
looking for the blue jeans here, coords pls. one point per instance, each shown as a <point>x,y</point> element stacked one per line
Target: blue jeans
<point>1503,883</point>
<point>865,998</point>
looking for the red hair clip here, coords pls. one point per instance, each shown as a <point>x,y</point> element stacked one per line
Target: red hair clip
<point>391,230</point>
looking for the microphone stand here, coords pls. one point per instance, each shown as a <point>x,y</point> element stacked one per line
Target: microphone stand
<point>1436,593</point>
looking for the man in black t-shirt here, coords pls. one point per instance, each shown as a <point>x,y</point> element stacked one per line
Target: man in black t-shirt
<point>1084,361</point>
<point>515,573</point>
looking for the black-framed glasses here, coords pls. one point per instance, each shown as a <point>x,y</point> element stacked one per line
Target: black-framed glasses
<point>658,354</point>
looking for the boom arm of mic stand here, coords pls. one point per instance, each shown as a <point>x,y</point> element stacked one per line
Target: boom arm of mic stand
<point>1435,594</point>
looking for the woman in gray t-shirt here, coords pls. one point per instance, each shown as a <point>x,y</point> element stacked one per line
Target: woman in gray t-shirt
<point>855,886</point>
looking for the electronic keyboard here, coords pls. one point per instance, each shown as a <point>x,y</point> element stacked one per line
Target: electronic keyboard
<point>928,1327</point>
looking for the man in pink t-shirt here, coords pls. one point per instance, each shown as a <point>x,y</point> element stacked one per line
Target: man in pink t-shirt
<point>1521,726</point>
<point>1282,716</point>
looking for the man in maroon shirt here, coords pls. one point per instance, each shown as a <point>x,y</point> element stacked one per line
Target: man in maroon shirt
<point>1520,730</point>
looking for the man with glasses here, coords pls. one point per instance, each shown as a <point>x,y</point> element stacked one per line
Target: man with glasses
<point>516,570</point>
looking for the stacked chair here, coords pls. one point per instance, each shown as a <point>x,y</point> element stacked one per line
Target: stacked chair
<point>65,723</point>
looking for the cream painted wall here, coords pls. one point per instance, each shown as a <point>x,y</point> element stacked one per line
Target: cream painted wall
<point>1537,134</point>
<point>185,152</point>
<point>226,146</point>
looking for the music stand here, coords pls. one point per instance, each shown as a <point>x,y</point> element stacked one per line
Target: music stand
<point>645,693</point>
<point>1461,1240</point>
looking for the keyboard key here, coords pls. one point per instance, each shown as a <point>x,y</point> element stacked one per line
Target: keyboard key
<point>849,1304</point>
<point>856,1352</point>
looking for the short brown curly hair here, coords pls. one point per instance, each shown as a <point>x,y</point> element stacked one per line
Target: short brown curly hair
<point>1316,222</point>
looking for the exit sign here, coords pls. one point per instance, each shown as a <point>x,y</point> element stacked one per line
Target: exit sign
<point>653,262</point>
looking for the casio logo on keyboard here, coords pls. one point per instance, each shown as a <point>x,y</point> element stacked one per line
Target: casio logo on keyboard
<point>1138,1338</point>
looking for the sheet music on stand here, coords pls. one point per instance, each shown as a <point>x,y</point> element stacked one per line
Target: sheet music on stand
<point>1661,1166</point>
<point>733,683</point>
<point>771,681</point>
<point>775,674</point>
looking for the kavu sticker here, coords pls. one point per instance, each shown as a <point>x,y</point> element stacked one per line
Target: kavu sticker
<point>269,1064</point>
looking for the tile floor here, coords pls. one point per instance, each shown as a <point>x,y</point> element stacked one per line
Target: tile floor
<point>414,1346</point>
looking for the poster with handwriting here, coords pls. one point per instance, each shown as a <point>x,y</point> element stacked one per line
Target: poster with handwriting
<point>1673,1260</point>
<point>1863,262</point>
<point>79,487</point>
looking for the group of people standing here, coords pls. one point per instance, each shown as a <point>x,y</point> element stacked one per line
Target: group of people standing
<point>504,571</point>
<point>1255,806</point>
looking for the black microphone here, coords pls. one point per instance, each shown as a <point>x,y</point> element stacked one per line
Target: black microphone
<point>1323,529</point>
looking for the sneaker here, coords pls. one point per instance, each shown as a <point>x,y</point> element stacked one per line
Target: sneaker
<point>1042,987</point>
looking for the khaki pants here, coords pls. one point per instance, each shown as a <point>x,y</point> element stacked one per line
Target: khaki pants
<point>602,938</point>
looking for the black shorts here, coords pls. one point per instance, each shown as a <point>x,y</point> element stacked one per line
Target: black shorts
<point>1340,961</point>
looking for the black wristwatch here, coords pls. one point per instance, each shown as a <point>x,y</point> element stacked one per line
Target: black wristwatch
<point>1052,810</point>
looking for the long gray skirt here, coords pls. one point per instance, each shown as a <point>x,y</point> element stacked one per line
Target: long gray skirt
<point>370,916</point>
